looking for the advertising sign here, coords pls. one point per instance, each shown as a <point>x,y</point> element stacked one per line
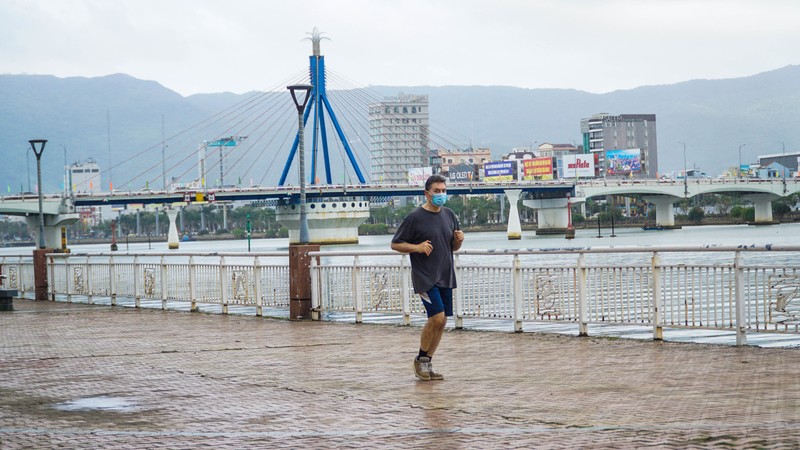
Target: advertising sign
<point>496,171</point>
<point>576,166</point>
<point>623,162</point>
<point>461,173</point>
<point>536,169</point>
<point>418,175</point>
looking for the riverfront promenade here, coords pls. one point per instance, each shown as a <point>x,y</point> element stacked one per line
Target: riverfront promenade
<point>89,376</point>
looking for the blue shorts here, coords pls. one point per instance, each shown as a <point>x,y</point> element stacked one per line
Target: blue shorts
<point>438,299</point>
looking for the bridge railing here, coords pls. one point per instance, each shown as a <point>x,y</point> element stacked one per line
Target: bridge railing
<point>255,280</point>
<point>747,288</point>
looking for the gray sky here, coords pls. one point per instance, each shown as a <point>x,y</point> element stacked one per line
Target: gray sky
<point>194,46</point>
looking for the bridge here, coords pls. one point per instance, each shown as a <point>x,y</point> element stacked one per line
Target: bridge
<point>351,202</point>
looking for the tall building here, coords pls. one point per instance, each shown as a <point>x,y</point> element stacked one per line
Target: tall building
<point>85,177</point>
<point>618,140</point>
<point>398,137</point>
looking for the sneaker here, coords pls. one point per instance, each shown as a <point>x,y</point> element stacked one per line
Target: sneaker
<point>434,375</point>
<point>422,368</point>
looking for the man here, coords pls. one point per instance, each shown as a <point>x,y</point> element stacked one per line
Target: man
<point>430,234</point>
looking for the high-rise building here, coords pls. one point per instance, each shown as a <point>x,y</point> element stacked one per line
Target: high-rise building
<point>626,144</point>
<point>85,177</point>
<point>398,137</point>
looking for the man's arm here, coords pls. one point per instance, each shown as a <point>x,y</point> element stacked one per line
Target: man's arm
<point>405,247</point>
<point>458,239</point>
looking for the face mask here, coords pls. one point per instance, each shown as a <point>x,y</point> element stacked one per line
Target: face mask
<point>438,199</point>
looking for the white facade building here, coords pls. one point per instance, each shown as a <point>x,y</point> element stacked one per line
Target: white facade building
<point>398,137</point>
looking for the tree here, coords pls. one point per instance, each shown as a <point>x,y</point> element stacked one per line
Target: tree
<point>696,214</point>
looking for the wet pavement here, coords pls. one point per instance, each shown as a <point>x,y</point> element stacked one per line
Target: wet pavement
<point>93,376</point>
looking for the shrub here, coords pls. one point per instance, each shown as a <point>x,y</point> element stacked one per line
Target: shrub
<point>696,214</point>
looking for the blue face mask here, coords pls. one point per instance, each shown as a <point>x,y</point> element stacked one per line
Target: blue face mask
<point>438,199</point>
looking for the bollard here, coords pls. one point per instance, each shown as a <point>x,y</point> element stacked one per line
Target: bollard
<point>300,280</point>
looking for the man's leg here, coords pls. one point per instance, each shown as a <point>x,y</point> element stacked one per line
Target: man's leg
<point>432,333</point>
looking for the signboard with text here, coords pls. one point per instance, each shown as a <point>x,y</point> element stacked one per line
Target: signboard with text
<point>536,169</point>
<point>461,173</point>
<point>497,171</point>
<point>418,175</point>
<point>576,166</point>
<point>623,162</point>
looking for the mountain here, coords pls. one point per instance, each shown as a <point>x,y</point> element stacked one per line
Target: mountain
<point>713,117</point>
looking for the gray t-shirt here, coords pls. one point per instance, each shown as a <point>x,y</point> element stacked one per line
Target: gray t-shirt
<point>436,269</point>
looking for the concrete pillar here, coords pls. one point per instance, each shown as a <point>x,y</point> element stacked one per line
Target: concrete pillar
<point>665,213</point>
<point>172,237</point>
<point>551,215</point>
<point>52,227</point>
<point>300,280</point>
<point>514,227</point>
<point>763,206</point>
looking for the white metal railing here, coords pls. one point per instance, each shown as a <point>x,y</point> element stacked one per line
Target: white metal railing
<point>253,279</point>
<point>18,270</point>
<point>739,288</point>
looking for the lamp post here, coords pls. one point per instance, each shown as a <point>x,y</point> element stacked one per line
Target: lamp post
<point>300,103</point>
<point>783,164</point>
<point>41,143</point>
<point>739,172</point>
<point>685,177</point>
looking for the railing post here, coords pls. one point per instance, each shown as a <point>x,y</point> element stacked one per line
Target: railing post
<point>315,290</point>
<point>583,325</point>
<point>52,279</point>
<point>163,283</point>
<point>516,282</point>
<point>192,283</point>
<point>136,298</point>
<point>257,286</point>
<point>405,304</point>
<point>357,290</point>
<point>223,291</point>
<point>66,280</point>
<point>655,302</point>
<point>88,282</point>
<point>458,305</point>
<point>112,281</point>
<point>741,321</point>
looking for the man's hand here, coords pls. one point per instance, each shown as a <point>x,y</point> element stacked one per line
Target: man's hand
<point>458,237</point>
<point>425,247</point>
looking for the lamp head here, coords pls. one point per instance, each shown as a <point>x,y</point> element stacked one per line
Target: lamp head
<point>300,89</point>
<point>34,143</point>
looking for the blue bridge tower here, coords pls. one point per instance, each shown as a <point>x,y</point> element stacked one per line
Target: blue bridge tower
<point>319,104</point>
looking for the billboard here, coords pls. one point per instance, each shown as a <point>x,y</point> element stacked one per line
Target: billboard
<point>494,171</point>
<point>576,166</point>
<point>418,175</point>
<point>536,169</point>
<point>461,173</point>
<point>623,162</point>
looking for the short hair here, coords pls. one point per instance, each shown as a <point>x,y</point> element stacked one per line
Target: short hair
<point>435,178</point>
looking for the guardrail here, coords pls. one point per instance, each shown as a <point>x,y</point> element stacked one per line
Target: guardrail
<point>213,278</point>
<point>740,288</point>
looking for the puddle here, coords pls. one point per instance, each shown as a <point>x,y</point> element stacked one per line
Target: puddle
<point>116,404</point>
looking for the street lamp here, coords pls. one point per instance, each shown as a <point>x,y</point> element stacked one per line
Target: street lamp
<point>41,143</point>
<point>685,175</point>
<point>305,90</point>
<point>783,164</point>
<point>740,160</point>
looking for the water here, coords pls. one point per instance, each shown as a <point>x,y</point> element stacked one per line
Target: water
<point>788,233</point>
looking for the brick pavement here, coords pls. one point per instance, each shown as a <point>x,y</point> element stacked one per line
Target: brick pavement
<point>193,380</point>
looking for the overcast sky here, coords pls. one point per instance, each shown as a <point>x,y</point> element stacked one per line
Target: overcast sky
<point>193,46</point>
